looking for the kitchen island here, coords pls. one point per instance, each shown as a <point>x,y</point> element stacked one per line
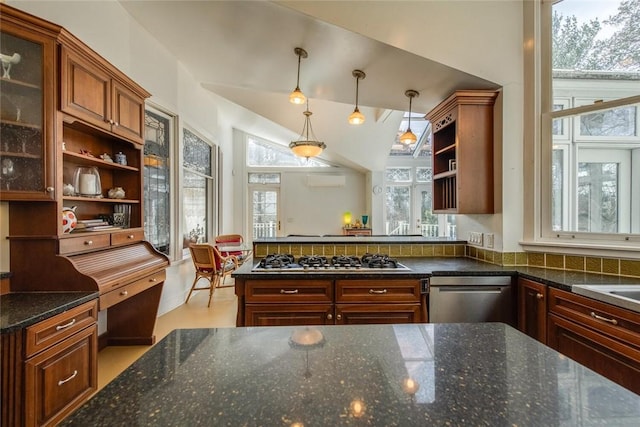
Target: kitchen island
<point>376,375</point>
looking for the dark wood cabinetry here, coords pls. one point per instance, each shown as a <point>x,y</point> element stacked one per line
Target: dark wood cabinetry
<point>462,131</point>
<point>53,365</point>
<point>602,337</point>
<point>532,309</point>
<point>274,302</point>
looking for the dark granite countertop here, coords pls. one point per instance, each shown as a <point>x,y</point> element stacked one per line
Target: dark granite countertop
<point>21,309</point>
<point>485,374</point>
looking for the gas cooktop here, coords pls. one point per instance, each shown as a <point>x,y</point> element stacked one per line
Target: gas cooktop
<point>368,262</point>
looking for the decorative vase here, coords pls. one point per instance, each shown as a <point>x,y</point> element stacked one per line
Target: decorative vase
<point>69,219</point>
<point>116,193</point>
<point>365,220</point>
<point>86,181</point>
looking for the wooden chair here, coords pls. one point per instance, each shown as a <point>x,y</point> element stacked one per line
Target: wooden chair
<point>225,265</point>
<point>231,240</point>
<point>203,257</point>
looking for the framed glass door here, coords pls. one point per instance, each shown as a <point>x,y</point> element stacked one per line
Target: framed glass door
<point>265,212</point>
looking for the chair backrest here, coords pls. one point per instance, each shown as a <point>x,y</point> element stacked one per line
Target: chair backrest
<point>230,239</point>
<point>203,256</point>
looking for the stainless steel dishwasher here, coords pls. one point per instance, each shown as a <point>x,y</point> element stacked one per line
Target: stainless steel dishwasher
<point>470,299</point>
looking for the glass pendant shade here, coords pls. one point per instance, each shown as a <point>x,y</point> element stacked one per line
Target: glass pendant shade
<point>297,97</point>
<point>357,118</point>
<point>409,137</point>
<point>307,145</point>
<point>86,182</point>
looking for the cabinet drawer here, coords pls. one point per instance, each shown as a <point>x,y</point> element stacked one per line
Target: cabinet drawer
<point>367,314</point>
<point>619,323</point>
<point>84,243</point>
<point>288,314</point>
<point>57,328</point>
<point>127,236</point>
<point>61,378</point>
<point>121,293</point>
<point>378,291</point>
<point>289,291</point>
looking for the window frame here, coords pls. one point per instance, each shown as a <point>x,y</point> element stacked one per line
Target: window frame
<point>539,234</point>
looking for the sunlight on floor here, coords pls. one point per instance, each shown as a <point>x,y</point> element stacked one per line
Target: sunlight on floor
<point>114,359</point>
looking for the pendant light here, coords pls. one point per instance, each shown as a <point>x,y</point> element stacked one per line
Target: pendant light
<point>357,118</point>
<point>306,146</point>
<point>409,137</point>
<point>297,97</point>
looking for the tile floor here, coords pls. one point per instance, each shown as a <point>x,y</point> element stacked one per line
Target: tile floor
<point>113,360</point>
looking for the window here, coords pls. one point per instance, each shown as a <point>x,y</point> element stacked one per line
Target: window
<point>263,153</point>
<point>197,185</point>
<point>591,121</point>
<point>157,208</point>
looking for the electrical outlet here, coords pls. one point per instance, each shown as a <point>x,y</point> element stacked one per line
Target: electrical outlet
<point>475,238</point>
<point>488,240</point>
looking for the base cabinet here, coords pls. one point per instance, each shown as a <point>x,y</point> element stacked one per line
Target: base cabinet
<point>50,368</point>
<point>602,337</point>
<point>276,302</point>
<point>532,309</point>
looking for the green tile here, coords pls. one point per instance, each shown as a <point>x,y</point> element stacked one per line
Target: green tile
<point>328,250</point>
<point>405,250</point>
<point>317,250</point>
<point>438,250</point>
<point>261,251</point>
<point>536,259</point>
<point>498,258</point>
<point>630,267</point>
<point>611,265</point>
<point>340,249</point>
<point>473,252</point>
<point>509,258</point>
<point>554,261</point>
<point>416,250</point>
<point>522,258</point>
<point>449,250</point>
<point>395,250</point>
<point>460,250</point>
<point>427,250</point>
<point>593,265</point>
<point>574,262</point>
<point>350,250</point>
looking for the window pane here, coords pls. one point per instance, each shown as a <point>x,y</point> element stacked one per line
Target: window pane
<point>398,175</point>
<point>598,197</point>
<point>264,178</point>
<point>615,122</point>
<point>557,170</point>
<point>398,209</point>
<point>194,204</point>
<point>424,174</point>
<point>262,153</point>
<point>197,153</point>
<point>265,213</point>
<point>157,212</point>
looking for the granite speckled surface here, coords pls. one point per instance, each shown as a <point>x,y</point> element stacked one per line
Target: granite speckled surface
<point>486,374</point>
<point>22,309</point>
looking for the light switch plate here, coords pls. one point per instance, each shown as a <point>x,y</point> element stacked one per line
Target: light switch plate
<point>475,238</point>
<point>488,240</point>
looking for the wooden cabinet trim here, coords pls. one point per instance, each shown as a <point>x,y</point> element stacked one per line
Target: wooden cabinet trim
<point>58,328</point>
<point>532,309</point>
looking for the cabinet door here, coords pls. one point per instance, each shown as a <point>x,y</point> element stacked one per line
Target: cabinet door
<point>606,356</point>
<point>86,90</point>
<point>378,291</point>
<point>128,113</point>
<point>27,169</point>
<point>61,378</point>
<point>365,314</point>
<point>532,309</point>
<point>288,314</point>
<point>289,291</point>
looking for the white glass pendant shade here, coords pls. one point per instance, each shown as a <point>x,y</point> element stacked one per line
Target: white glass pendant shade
<point>307,145</point>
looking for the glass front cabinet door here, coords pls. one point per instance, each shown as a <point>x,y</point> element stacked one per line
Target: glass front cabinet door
<point>26,112</point>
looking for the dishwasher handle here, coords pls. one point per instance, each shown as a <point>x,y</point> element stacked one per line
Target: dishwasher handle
<point>470,289</point>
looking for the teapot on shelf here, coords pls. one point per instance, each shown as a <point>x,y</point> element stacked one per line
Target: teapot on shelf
<point>69,219</point>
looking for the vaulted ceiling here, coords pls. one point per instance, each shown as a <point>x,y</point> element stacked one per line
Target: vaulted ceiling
<point>244,52</point>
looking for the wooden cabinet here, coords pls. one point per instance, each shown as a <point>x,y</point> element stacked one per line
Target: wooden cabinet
<point>356,231</point>
<point>82,112</point>
<point>92,93</point>
<point>27,163</point>
<point>600,336</point>
<point>462,140</point>
<point>532,309</point>
<point>54,367</point>
<point>327,301</point>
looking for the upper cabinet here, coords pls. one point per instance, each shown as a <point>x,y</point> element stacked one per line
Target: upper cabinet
<point>26,110</point>
<point>93,93</point>
<point>462,142</point>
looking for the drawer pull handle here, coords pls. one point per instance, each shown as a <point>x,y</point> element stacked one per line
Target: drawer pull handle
<point>75,373</point>
<point>61,327</point>
<point>339,317</point>
<point>130,236</point>
<point>377,291</point>
<point>539,296</point>
<point>284,291</point>
<point>88,242</point>
<point>153,279</point>
<point>124,293</point>
<point>604,319</point>
<point>329,316</point>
